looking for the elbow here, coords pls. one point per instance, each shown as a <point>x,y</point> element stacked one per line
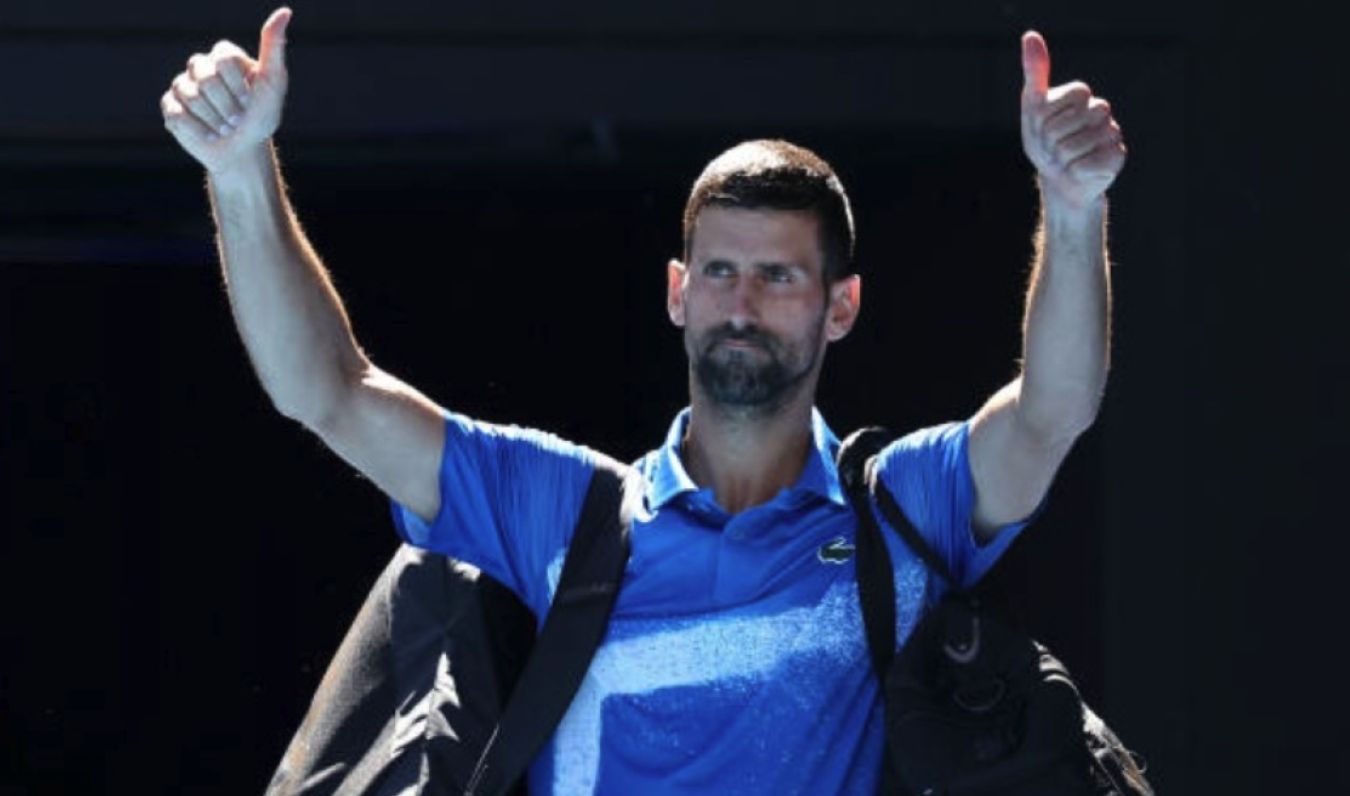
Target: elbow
<point>1076,424</point>
<point>1081,413</point>
<point>314,398</point>
<point>313,408</point>
<point>292,408</point>
<point>1063,420</point>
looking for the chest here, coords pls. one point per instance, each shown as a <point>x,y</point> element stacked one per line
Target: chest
<point>692,560</point>
<point>703,590</point>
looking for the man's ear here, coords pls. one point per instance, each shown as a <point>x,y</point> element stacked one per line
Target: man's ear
<point>845,303</point>
<point>675,273</point>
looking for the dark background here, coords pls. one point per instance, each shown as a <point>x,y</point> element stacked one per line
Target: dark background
<point>496,189</point>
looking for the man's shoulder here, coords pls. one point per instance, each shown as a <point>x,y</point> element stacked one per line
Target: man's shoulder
<point>514,460</point>
<point>510,438</point>
<point>942,438</point>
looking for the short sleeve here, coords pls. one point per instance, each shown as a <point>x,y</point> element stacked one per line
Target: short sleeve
<point>928,472</point>
<point>510,498</point>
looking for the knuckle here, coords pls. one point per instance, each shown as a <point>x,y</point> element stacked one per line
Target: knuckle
<point>184,86</point>
<point>202,68</point>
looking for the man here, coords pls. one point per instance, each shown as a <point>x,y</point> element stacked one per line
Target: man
<point>735,659</point>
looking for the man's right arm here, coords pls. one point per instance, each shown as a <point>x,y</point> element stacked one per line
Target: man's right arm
<point>223,110</point>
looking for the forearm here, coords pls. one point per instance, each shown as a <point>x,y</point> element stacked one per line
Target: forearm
<point>289,316</point>
<point>1066,329</point>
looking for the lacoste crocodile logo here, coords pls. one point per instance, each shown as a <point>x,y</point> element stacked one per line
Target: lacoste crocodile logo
<point>835,551</point>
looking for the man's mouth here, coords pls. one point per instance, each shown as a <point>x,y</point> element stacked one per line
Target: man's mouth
<point>740,347</point>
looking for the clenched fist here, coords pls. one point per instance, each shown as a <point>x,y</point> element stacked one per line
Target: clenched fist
<point>225,104</point>
<point>1068,134</point>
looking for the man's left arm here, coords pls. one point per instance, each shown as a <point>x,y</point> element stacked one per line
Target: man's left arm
<point>1021,435</point>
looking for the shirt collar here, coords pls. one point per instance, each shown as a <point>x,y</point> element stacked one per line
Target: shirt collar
<point>667,477</point>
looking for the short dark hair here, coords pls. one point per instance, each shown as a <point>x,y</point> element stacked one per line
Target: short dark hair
<point>771,174</point>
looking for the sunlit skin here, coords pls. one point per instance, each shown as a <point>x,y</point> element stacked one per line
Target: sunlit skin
<point>754,273</point>
<point>757,272</point>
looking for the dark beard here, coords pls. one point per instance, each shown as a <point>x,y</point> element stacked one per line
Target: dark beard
<point>758,382</point>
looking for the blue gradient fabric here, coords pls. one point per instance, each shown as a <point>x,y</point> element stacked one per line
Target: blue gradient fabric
<point>735,661</point>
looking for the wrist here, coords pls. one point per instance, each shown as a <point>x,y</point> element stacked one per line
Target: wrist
<point>1068,213</point>
<point>247,170</point>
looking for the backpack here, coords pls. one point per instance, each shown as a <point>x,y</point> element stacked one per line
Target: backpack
<point>972,706</point>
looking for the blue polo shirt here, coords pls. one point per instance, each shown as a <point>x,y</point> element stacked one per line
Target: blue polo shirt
<point>735,661</point>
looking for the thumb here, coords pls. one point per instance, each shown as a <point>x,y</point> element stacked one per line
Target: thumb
<point>1035,65</point>
<point>272,44</point>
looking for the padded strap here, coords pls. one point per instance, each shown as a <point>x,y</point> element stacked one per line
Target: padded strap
<point>876,585</point>
<point>896,518</point>
<point>857,465</point>
<point>573,629</point>
<point>876,588</point>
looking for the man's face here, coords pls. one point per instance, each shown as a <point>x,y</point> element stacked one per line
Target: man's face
<point>755,310</point>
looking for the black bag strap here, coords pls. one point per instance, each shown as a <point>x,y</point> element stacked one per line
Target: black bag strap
<point>896,518</point>
<point>876,585</point>
<point>857,465</point>
<point>573,629</point>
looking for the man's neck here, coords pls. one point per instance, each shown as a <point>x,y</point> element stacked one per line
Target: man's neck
<point>746,460</point>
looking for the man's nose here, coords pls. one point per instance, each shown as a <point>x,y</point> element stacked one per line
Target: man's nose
<point>745,302</point>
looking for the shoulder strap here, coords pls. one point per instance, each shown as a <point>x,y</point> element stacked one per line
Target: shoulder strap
<point>573,629</point>
<point>876,585</point>
<point>896,518</point>
<point>857,467</point>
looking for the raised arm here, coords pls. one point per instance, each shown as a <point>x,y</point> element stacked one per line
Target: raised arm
<point>223,110</point>
<point>1020,437</point>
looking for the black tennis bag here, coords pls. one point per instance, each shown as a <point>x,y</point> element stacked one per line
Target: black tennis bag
<point>973,706</point>
<point>441,685</point>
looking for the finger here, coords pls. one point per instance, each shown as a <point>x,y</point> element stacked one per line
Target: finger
<point>1035,66</point>
<point>1068,95</point>
<point>1071,120</point>
<point>186,91</point>
<point>1083,142</point>
<point>205,73</point>
<point>1103,161</point>
<point>233,65</point>
<point>1058,100</point>
<point>183,125</point>
<point>272,43</point>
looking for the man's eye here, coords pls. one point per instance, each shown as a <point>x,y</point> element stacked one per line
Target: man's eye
<point>778,273</point>
<point>717,268</point>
